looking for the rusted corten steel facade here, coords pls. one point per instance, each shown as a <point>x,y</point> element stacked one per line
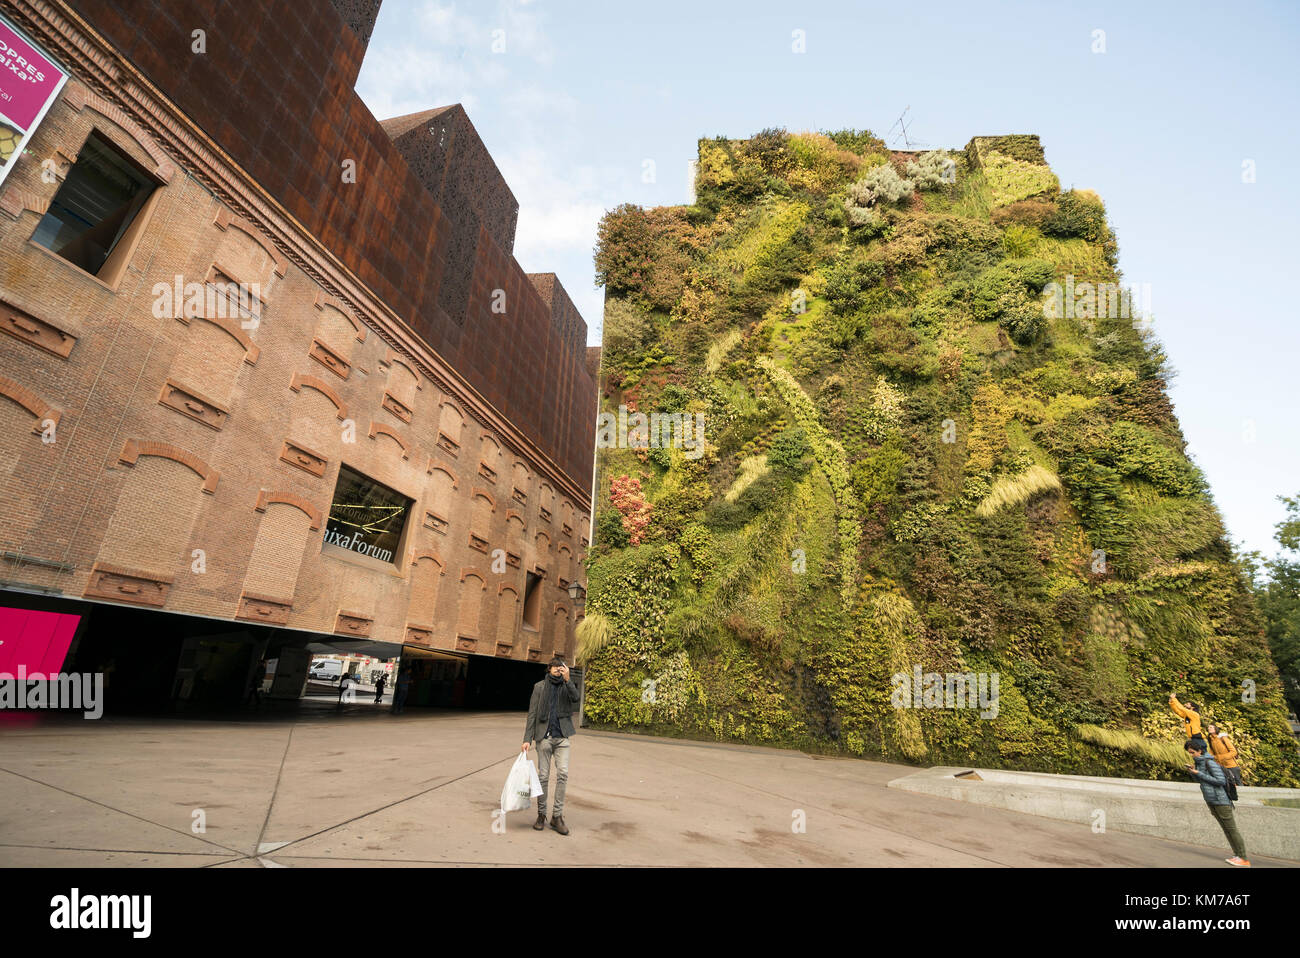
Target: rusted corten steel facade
<point>189,463</point>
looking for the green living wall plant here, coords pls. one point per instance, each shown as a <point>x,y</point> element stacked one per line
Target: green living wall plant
<point>909,461</point>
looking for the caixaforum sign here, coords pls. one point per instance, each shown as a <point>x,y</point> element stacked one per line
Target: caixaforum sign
<point>29,82</point>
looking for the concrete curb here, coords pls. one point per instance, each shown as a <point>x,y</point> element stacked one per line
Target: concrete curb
<point>1169,810</point>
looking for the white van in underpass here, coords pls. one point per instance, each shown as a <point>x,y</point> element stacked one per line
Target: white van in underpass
<point>326,670</point>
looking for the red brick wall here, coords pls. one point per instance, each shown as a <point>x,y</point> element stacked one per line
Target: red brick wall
<point>274,89</point>
<point>175,436</point>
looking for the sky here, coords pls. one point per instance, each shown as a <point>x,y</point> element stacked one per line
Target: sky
<point>1180,115</point>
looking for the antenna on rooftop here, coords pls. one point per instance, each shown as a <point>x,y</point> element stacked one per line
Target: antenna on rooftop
<point>901,125</point>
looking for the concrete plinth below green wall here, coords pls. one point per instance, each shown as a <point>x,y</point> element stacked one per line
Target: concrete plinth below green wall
<point>1269,818</point>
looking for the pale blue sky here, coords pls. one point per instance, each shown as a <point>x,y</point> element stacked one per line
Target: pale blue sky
<point>1159,124</point>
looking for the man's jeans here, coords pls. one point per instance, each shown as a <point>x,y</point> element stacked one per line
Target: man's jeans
<point>1228,822</point>
<point>560,748</point>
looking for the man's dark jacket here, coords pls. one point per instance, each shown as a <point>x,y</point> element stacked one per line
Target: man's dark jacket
<point>1213,780</point>
<point>539,710</point>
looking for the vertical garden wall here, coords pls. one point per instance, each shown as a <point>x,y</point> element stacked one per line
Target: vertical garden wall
<point>936,437</point>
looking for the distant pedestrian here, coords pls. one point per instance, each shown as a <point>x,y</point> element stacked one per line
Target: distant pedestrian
<point>403,690</point>
<point>255,685</point>
<point>1224,752</point>
<point>1191,716</point>
<point>345,682</point>
<point>1213,780</point>
<point>379,689</point>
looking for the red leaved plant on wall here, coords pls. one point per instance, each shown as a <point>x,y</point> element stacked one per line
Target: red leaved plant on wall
<point>626,495</point>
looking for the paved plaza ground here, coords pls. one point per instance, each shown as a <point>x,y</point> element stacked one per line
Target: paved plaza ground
<point>320,786</point>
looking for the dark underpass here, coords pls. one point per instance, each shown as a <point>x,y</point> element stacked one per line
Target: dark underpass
<point>156,662</point>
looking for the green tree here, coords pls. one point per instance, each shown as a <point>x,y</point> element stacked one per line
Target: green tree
<point>1277,588</point>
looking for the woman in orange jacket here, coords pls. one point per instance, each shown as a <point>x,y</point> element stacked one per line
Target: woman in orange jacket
<point>1224,752</point>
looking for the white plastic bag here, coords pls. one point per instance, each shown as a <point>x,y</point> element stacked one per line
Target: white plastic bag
<point>522,785</point>
<point>534,781</point>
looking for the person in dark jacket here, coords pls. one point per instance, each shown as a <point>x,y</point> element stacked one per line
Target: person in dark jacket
<point>255,686</point>
<point>379,688</point>
<point>550,725</point>
<point>1212,779</point>
<point>403,690</point>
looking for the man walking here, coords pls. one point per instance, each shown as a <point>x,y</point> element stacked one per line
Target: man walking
<point>550,725</point>
<point>255,687</point>
<point>1213,779</point>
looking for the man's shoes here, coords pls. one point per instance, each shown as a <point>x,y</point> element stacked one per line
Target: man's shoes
<point>557,823</point>
<point>1237,862</point>
<point>541,821</point>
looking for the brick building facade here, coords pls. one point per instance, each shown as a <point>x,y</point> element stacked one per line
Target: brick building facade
<point>308,308</point>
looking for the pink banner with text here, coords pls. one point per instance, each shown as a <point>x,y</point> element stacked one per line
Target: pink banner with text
<point>29,82</point>
<point>37,640</point>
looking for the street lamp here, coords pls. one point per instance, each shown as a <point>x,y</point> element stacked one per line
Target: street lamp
<point>579,596</point>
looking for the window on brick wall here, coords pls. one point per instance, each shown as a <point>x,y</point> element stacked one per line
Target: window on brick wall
<point>533,603</point>
<point>366,518</point>
<point>94,217</point>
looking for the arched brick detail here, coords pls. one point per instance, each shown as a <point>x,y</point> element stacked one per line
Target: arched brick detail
<point>15,201</point>
<point>486,495</point>
<point>511,514</point>
<point>378,428</point>
<point>564,573</point>
<point>496,444</point>
<point>471,571</point>
<point>436,466</point>
<point>393,356</point>
<point>251,349</point>
<point>324,299</point>
<point>219,269</point>
<point>311,382</point>
<point>226,219</point>
<point>266,497</point>
<point>543,535</point>
<point>33,403</point>
<point>78,96</point>
<point>561,609</point>
<point>429,554</point>
<point>134,449</point>
<point>503,588</point>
